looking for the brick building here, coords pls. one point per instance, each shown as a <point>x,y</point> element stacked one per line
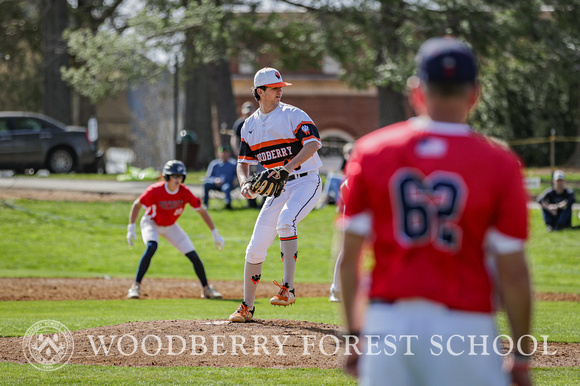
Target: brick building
<point>342,114</point>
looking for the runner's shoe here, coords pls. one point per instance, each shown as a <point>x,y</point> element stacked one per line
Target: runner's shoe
<point>242,314</point>
<point>334,296</point>
<point>210,293</point>
<point>285,297</point>
<point>134,291</point>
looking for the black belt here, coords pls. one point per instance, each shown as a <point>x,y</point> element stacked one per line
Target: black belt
<point>295,176</point>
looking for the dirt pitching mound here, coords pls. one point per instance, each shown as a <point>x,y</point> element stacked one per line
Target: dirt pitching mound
<point>215,343</point>
<point>220,343</point>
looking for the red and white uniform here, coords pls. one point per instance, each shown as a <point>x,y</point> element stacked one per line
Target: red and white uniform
<point>162,209</point>
<point>441,197</point>
<point>272,140</point>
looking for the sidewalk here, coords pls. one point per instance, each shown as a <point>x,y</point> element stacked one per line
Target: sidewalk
<point>90,186</point>
<point>116,187</point>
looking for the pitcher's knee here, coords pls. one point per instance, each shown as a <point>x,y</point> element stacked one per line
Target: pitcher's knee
<point>286,231</point>
<point>255,255</point>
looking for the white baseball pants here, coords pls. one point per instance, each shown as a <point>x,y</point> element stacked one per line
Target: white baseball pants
<point>281,215</point>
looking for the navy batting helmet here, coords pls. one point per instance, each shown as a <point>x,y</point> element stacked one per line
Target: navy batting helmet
<point>174,167</point>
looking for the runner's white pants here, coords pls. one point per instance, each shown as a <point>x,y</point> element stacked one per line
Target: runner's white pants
<point>150,231</point>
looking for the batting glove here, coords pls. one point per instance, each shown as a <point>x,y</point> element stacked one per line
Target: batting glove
<point>131,235</point>
<point>218,239</point>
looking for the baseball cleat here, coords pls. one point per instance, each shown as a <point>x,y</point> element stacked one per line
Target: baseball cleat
<point>210,293</point>
<point>334,296</point>
<point>242,314</point>
<point>285,297</point>
<point>134,291</point>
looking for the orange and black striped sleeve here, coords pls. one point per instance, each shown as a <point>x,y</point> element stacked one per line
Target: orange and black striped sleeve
<point>306,130</point>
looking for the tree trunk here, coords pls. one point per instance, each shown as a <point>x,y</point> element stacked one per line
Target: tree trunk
<point>391,102</point>
<point>87,109</point>
<point>574,160</point>
<point>223,97</point>
<point>197,117</point>
<point>391,106</point>
<point>57,94</point>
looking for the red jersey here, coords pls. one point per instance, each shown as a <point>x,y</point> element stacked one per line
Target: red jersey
<point>433,190</point>
<point>165,207</point>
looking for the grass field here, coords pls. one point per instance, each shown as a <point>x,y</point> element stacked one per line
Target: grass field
<point>70,239</point>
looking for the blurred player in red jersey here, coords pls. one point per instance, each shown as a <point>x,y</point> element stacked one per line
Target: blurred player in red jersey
<point>445,209</point>
<point>164,202</point>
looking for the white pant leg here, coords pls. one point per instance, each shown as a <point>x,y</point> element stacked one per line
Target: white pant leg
<point>280,215</point>
<point>264,229</point>
<point>336,277</point>
<point>302,196</point>
<point>150,231</point>
<point>428,344</point>
<point>178,238</point>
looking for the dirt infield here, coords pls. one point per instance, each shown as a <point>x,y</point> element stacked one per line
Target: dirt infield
<point>57,195</point>
<point>115,288</point>
<point>110,289</point>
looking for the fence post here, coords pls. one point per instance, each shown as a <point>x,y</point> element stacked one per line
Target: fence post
<point>552,152</point>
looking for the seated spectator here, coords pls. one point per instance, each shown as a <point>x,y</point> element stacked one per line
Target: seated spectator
<point>221,176</point>
<point>557,203</point>
<point>331,191</point>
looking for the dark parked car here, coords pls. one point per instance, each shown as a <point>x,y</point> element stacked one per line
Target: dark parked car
<point>35,141</point>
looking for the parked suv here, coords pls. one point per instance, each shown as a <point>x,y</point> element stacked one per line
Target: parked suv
<point>30,140</point>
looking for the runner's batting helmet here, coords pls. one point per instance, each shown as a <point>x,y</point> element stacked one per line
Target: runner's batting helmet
<point>174,167</point>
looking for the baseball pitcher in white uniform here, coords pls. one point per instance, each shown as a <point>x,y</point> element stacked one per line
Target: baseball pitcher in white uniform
<point>277,135</point>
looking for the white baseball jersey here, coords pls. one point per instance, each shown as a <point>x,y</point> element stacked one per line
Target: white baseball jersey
<point>275,138</point>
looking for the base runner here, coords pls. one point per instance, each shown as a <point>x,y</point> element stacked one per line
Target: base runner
<point>164,202</point>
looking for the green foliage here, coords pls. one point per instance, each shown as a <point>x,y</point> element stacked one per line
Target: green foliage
<point>112,59</point>
<point>20,56</point>
<point>136,174</point>
<point>527,59</point>
<point>529,55</point>
<point>111,62</point>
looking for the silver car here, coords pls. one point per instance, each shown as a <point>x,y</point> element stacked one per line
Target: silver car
<point>35,141</point>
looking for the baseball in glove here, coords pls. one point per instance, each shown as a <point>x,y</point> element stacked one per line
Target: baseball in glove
<point>270,182</point>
